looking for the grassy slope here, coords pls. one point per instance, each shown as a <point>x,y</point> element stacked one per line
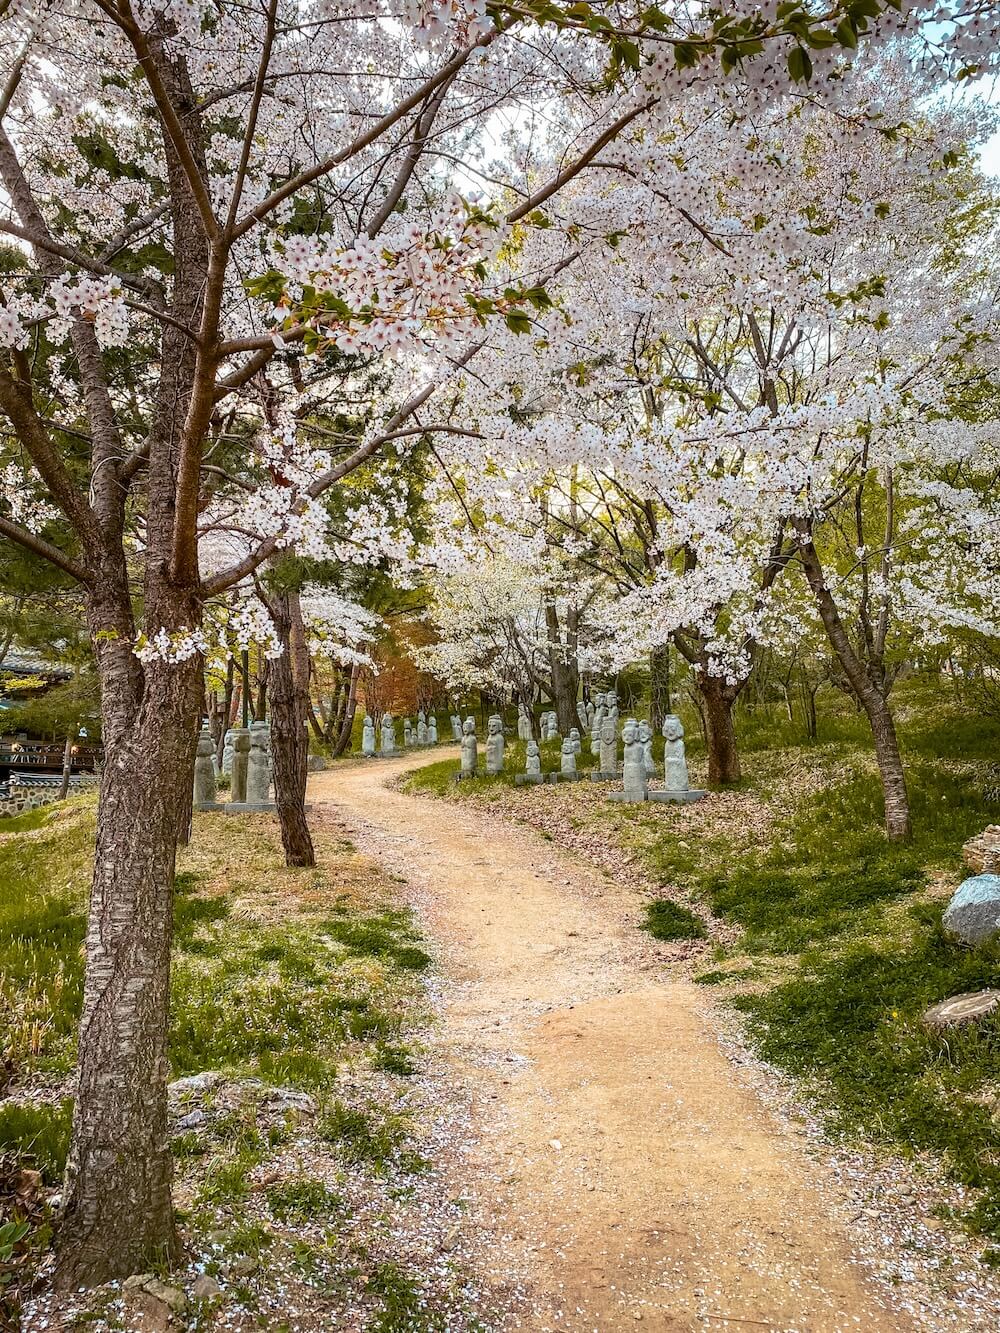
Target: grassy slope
<point>841,948</point>
<point>288,976</point>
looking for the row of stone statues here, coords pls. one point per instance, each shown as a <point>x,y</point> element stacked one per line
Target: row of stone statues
<point>424,733</point>
<point>637,768</point>
<point>246,761</point>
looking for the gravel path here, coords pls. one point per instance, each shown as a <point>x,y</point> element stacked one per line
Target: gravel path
<point>624,1171</point>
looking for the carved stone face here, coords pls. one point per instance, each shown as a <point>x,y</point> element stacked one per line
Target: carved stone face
<point>574,735</point>
<point>629,732</point>
<point>645,732</point>
<point>672,728</point>
<point>533,749</point>
<point>469,726</point>
<point>495,725</point>
<point>568,746</point>
<point>608,729</point>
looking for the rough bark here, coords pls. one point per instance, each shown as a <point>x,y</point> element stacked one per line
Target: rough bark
<point>343,741</point>
<point>119,1165</point>
<point>720,731</point>
<point>868,686</point>
<point>563,668</point>
<point>289,694</point>
<point>659,675</point>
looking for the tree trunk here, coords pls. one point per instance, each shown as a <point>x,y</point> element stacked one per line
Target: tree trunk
<point>659,676</point>
<point>289,694</point>
<point>720,733</point>
<point>347,726</point>
<point>565,674</point>
<point>869,694</point>
<point>119,1168</point>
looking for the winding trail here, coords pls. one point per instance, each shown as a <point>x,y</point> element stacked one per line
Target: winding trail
<point>623,1163</point>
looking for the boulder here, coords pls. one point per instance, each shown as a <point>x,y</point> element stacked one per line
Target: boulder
<point>206,1289</point>
<point>960,1010</point>
<point>982,853</point>
<point>973,914</point>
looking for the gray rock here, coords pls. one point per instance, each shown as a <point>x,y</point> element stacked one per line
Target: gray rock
<point>192,1119</point>
<point>206,1289</point>
<point>246,1266</point>
<point>137,1281</point>
<point>195,1085</point>
<point>973,915</point>
<point>172,1297</point>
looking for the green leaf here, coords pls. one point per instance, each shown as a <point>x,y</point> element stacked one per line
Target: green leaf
<point>799,65</point>
<point>517,321</point>
<point>846,33</point>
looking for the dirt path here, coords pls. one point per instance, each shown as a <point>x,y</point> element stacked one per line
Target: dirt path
<point>621,1158</point>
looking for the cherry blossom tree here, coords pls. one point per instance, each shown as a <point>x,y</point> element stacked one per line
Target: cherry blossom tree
<point>197,195</point>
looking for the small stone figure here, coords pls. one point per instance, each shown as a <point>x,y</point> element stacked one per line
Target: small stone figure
<point>574,736</point>
<point>552,732</point>
<point>456,727</point>
<point>591,711</point>
<point>421,729</point>
<point>432,731</point>
<point>634,780</point>
<point>494,745</point>
<point>646,740</point>
<point>675,769</point>
<point>241,758</point>
<point>388,734</point>
<point>596,724</point>
<point>258,768</point>
<point>470,751</point>
<point>532,766</point>
<point>581,714</point>
<point>611,703</point>
<point>204,771</point>
<point>228,750</point>
<point>407,731</point>
<point>368,736</point>
<point>421,719</point>
<point>567,761</point>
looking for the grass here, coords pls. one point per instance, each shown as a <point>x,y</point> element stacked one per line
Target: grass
<point>845,934</point>
<point>667,920</point>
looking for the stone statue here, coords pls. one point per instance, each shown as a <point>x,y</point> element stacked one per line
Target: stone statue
<point>552,733</point>
<point>609,747</point>
<point>456,727</point>
<point>228,750</point>
<point>532,774</point>
<point>258,768</point>
<point>611,703</point>
<point>421,729</point>
<point>634,778</point>
<point>581,715</point>
<point>432,731</point>
<point>574,737</point>
<point>591,711</point>
<point>567,762</point>
<point>470,751</point>
<point>388,734</point>
<point>204,771</point>
<point>494,745</point>
<point>523,723</point>
<point>646,740</point>
<point>241,758</point>
<point>368,736</point>
<point>407,731</point>
<point>675,769</point>
<point>421,718</point>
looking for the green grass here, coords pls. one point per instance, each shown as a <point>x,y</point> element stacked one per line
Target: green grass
<point>667,920</point>
<point>861,948</point>
<point>39,1134</point>
<point>302,1199</point>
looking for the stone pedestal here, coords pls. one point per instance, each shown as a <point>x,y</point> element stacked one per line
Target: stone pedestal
<point>679,797</point>
<point>529,779</point>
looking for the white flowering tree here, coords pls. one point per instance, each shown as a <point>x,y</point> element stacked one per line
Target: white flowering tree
<point>195,194</point>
